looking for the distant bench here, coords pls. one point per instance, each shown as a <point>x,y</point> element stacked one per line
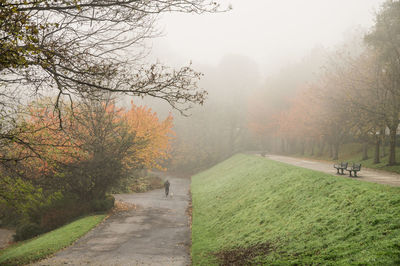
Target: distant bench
<point>340,167</point>
<point>356,167</point>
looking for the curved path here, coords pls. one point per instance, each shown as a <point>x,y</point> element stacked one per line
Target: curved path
<point>366,174</point>
<point>157,232</point>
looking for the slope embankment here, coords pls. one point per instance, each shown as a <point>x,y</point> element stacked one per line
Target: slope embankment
<point>250,210</point>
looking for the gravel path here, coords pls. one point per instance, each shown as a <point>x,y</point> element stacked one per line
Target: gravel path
<point>366,174</point>
<point>156,233</point>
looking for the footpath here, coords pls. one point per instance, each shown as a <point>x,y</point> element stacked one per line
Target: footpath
<point>157,232</point>
<point>366,174</point>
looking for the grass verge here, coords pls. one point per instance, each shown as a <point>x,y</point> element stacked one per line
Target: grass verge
<point>250,210</point>
<point>47,244</point>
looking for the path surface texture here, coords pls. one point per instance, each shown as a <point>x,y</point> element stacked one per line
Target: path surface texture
<point>366,174</point>
<point>157,232</point>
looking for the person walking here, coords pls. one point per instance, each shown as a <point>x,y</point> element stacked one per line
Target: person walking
<point>166,186</point>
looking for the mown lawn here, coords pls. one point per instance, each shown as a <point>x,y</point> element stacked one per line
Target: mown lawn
<point>252,210</point>
<point>47,244</point>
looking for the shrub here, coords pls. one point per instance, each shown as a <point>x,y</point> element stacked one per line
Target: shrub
<point>59,210</point>
<point>26,231</point>
<point>146,183</point>
<point>103,204</point>
<point>19,201</point>
<point>55,217</point>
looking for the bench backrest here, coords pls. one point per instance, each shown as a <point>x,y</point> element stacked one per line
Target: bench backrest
<point>344,164</point>
<point>357,166</point>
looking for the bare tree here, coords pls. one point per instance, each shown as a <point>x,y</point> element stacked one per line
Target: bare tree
<point>85,46</point>
<point>82,48</point>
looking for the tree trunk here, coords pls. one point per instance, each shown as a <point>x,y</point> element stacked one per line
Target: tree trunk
<point>383,140</point>
<point>392,146</point>
<point>302,148</point>
<point>312,148</point>
<point>383,149</point>
<point>287,146</point>
<point>321,148</point>
<point>330,150</point>
<point>336,152</point>
<point>283,145</point>
<point>377,149</point>
<point>365,151</point>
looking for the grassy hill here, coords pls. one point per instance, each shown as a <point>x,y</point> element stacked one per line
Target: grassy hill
<point>252,210</point>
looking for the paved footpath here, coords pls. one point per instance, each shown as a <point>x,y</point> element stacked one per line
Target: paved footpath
<point>366,174</point>
<point>156,233</point>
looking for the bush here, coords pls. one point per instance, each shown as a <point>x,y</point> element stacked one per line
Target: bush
<point>146,183</point>
<point>53,218</point>
<point>103,204</point>
<point>19,201</point>
<point>26,231</point>
<point>59,210</point>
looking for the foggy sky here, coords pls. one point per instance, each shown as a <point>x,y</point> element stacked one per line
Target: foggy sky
<point>273,33</point>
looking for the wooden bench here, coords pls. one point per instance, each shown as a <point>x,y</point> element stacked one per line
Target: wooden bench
<point>341,166</point>
<point>356,167</point>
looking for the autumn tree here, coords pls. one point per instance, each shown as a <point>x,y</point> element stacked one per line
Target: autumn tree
<point>271,104</point>
<point>385,40</point>
<point>99,144</point>
<point>81,49</point>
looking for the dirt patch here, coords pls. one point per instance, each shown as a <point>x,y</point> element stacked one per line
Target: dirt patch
<point>6,237</point>
<point>189,214</point>
<point>242,256</point>
<point>120,206</point>
<point>189,210</point>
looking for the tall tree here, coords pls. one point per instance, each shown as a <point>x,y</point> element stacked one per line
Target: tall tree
<point>82,48</point>
<point>385,39</point>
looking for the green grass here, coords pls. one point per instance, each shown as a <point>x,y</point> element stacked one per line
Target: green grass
<point>307,216</point>
<point>352,152</point>
<point>47,244</point>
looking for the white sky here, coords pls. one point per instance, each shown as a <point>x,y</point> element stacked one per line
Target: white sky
<point>270,32</point>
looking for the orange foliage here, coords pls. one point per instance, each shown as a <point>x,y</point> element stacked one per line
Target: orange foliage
<point>153,137</point>
<point>51,146</point>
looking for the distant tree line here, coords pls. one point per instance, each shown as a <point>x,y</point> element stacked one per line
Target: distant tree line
<point>354,97</point>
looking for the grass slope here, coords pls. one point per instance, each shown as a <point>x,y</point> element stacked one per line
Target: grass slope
<point>306,216</point>
<point>47,244</point>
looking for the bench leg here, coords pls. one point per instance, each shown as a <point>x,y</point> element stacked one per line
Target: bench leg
<point>338,171</point>
<point>342,171</point>
<point>350,173</point>
<point>355,173</point>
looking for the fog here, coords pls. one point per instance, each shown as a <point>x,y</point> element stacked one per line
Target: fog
<point>272,33</point>
<point>257,59</point>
